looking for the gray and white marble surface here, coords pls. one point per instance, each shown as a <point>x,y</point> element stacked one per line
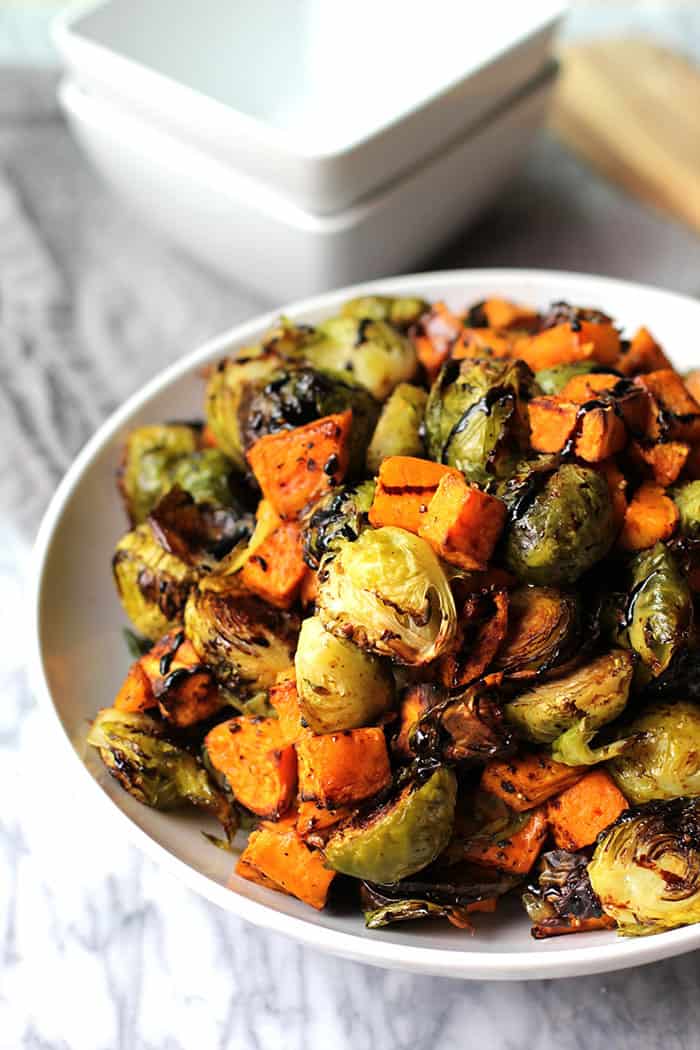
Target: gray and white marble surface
<point>99,949</point>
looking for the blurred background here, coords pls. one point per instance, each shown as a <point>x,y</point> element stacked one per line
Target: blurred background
<point>97,949</point>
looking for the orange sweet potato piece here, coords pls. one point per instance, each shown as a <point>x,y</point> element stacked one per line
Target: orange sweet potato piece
<point>258,762</point>
<point>480,342</point>
<point>597,433</point>
<point>275,571</point>
<point>314,820</point>
<point>692,383</point>
<point>617,486</point>
<point>276,857</point>
<point>674,415</point>
<point>405,487</point>
<point>183,687</point>
<point>295,467</point>
<point>340,769</point>
<point>578,815</point>
<point>650,516</point>
<point>518,852</point>
<point>631,403</point>
<point>462,522</point>
<point>416,701</point>
<point>527,780</point>
<point>285,700</point>
<point>483,624</point>
<point>644,355</point>
<point>565,343</point>
<point>433,337</point>
<point>501,313</point>
<point>664,461</point>
<point>135,693</point>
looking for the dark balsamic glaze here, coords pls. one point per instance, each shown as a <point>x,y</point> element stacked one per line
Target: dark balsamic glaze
<point>494,396</point>
<point>167,658</point>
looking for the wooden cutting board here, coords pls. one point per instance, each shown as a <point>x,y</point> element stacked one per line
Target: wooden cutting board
<point>631,109</point>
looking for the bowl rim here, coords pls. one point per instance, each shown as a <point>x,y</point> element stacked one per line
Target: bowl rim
<point>457,963</point>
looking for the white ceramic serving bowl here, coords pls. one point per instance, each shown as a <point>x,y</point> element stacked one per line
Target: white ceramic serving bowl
<point>252,235</point>
<point>322,101</point>
<point>79,657</point>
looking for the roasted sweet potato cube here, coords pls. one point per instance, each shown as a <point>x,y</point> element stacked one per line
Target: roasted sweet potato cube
<point>405,487</point>
<point>501,313</point>
<point>527,780</point>
<point>644,355</point>
<point>650,516</point>
<point>315,822</point>
<point>463,523</point>
<point>340,769</point>
<point>578,815</point>
<point>663,461</point>
<point>135,693</point>
<point>629,401</point>
<point>517,852</point>
<point>673,414</point>
<point>275,571</point>
<point>481,342</point>
<point>285,700</point>
<point>295,467</point>
<point>597,433</point>
<point>277,858</point>
<point>183,687</point>
<point>566,343</point>
<point>258,762</point>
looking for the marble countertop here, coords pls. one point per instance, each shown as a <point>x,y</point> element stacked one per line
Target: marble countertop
<point>99,949</point>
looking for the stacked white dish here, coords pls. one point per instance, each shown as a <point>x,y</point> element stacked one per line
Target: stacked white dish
<point>295,145</point>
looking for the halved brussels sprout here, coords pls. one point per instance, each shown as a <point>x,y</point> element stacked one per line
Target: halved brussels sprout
<point>376,354</point>
<point>206,476</point>
<point>476,418</point>
<point>401,836</point>
<point>437,891</point>
<point>563,900</point>
<point>663,759</point>
<point>593,694</point>
<point>136,752</point>
<point>339,516</point>
<point>563,530</point>
<point>466,727</point>
<point>646,867</point>
<point>543,629</point>
<point>388,593</point>
<point>153,584</point>
<point>244,641</point>
<point>687,499</point>
<point>340,686</point>
<point>150,453</point>
<point>230,385</point>
<point>553,380</point>
<point>383,911</point>
<point>295,395</point>
<point>400,312</point>
<point>659,614</point>
<point>398,432</point>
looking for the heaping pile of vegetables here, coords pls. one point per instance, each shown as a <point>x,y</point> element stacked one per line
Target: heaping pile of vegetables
<point>418,601</point>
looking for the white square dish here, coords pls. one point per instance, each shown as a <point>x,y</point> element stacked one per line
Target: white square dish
<point>323,102</point>
<point>254,236</point>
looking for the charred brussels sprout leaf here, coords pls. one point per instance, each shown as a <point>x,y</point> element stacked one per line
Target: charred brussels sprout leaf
<point>375,353</point>
<point>400,837</point>
<point>340,686</point>
<point>294,396</point>
<point>563,899</point>
<point>451,888</point>
<point>398,432</point>
<point>400,312</point>
<point>659,613</point>
<point>466,727</point>
<point>553,380</point>
<point>341,515</point>
<point>150,453</point>
<point>153,584</point>
<point>381,911</point>
<point>663,760</point>
<point>543,630</point>
<point>134,749</point>
<point>687,499</point>
<point>244,641</point>
<point>563,530</point>
<point>578,704</point>
<point>476,418</point>
<point>388,593</point>
<point>646,867</point>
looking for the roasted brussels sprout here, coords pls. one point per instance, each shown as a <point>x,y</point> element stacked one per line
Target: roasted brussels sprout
<point>398,432</point>
<point>476,418</point>
<point>563,900</point>
<point>553,380</point>
<point>376,354</point>
<point>340,686</point>
<point>565,528</point>
<point>400,837</point>
<point>646,867</point>
<point>153,584</point>
<point>147,461</point>
<point>341,515</point>
<point>687,499</point>
<point>400,312</point>
<point>229,387</point>
<point>656,623</point>
<point>388,593</point>
<point>383,911</point>
<point>465,727</point>
<point>663,759</point>
<point>296,395</point>
<point>578,704</point>
<point>206,477</point>
<point>244,641</point>
<point>155,771</point>
<point>543,629</point>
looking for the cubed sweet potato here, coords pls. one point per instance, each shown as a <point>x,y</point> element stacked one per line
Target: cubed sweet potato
<point>673,414</point>
<point>527,780</point>
<point>462,522</point>
<point>483,342</point>
<point>692,383</point>
<point>135,693</point>
<point>285,700</point>
<point>663,461</point>
<point>295,467</point>
<point>276,570</point>
<point>315,822</point>
<point>643,355</point>
<point>340,769</point>
<point>596,433</point>
<point>405,487</point>
<point>277,858</point>
<point>566,343</point>
<point>517,852</point>
<point>578,815</point>
<point>258,762</point>
<point>183,687</point>
<point>650,516</point>
<point>501,313</point>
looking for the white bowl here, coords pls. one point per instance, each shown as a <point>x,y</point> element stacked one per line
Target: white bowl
<point>79,658</point>
<point>323,101</point>
<point>250,234</point>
